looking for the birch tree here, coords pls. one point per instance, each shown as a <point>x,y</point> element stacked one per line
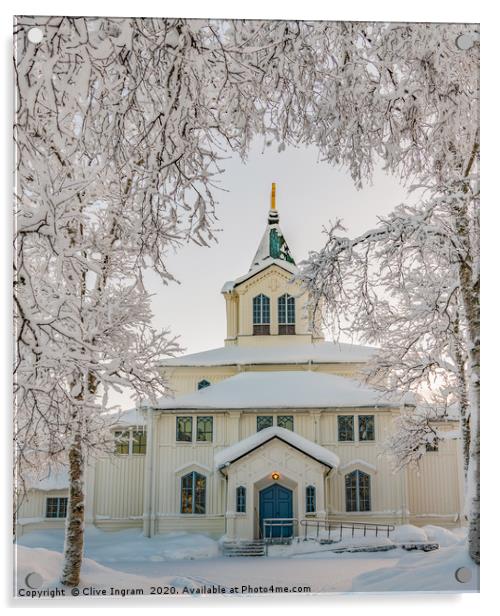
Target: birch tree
<point>417,112</point>
<point>118,129</point>
<point>401,284</point>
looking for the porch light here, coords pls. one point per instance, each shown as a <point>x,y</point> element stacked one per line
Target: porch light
<point>275,475</point>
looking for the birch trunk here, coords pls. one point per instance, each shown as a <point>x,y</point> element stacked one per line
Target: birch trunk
<point>463,395</point>
<point>73,544</point>
<point>473,489</point>
<point>470,291</point>
<point>469,284</point>
<point>473,475</point>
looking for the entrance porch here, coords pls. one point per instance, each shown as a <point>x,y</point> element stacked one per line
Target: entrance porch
<point>273,476</point>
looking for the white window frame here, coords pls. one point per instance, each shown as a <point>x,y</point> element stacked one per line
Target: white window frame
<point>192,513</point>
<point>130,438</point>
<point>358,428</point>
<point>245,499</point>
<point>59,498</point>
<point>315,494</point>
<point>194,430</point>
<point>287,321</point>
<point>356,417</point>
<point>357,491</point>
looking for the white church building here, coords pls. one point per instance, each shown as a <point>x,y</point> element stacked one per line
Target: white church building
<point>273,425</point>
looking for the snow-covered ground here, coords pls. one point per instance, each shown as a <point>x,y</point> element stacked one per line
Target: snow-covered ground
<point>186,564</point>
<point>128,545</point>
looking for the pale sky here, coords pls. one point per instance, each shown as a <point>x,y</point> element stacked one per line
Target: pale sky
<point>309,194</point>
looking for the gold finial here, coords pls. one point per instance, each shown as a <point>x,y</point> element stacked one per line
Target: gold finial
<point>273,196</point>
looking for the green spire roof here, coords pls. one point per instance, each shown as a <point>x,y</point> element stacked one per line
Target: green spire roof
<point>273,244</point>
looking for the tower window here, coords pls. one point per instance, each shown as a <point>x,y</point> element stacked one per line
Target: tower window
<point>203,383</point>
<point>261,315</point>
<point>286,315</point>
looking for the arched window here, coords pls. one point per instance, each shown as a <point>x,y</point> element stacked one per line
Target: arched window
<point>357,491</point>
<point>193,493</point>
<point>203,383</point>
<point>261,315</point>
<point>286,314</point>
<point>241,499</point>
<point>310,499</point>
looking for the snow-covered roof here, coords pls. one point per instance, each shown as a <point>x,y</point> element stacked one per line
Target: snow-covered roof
<point>256,269</point>
<point>130,417</point>
<point>48,481</point>
<point>453,411</point>
<point>272,250</point>
<point>304,353</point>
<point>285,389</point>
<point>232,453</point>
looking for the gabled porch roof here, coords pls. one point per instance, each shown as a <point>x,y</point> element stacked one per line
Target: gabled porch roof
<point>242,448</point>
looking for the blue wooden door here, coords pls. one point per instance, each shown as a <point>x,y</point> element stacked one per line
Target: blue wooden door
<point>275,502</point>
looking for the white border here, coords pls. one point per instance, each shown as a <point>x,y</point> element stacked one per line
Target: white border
<point>366,10</point>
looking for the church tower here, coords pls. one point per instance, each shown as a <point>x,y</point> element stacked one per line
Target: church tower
<point>265,307</point>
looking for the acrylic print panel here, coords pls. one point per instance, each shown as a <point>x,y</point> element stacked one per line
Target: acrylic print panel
<point>319,432</point>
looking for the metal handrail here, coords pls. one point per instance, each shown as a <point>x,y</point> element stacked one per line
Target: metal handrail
<point>329,525</point>
<point>281,523</point>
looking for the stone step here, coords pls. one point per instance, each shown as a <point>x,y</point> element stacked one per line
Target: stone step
<point>243,548</point>
<point>227,551</point>
<point>243,544</point>
<point>244,554</point>
<point>235,549</point>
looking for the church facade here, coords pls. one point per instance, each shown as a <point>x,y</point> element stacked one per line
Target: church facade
<point>272,426</point>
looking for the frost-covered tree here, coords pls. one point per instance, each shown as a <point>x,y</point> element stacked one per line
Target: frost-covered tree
<point>416,322</point>
<point>412,101</point>
<point>404,285</point>
<point>118,124</point>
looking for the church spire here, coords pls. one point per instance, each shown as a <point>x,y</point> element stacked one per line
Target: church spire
<point>273,244</point>
<point>273,217</point>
